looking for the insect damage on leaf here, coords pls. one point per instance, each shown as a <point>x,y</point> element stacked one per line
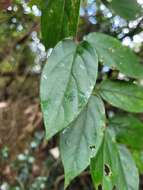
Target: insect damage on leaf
<point>107,170</point>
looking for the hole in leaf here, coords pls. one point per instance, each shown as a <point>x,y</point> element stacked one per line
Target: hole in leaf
<point>100,187</point>
<point>107,170</point>
<point>92,147</point>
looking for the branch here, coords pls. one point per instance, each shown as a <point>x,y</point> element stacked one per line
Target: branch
<point>13,74</point>
<point>134,31</point>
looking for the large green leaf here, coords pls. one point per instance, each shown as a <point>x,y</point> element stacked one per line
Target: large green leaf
<point>124,95</point>
<point>67,82</point>
<point>113,54</point>
<point>128,129</point>
<point>113,166</point>
<point>59,20</point>
<point>128,9</point>
<point>82,138</point>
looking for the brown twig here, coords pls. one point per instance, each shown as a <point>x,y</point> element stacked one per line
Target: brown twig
<point>134,31</point>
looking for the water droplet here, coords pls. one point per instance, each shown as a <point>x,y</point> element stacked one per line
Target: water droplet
<point>111,50</point>
<point>82,67</point>
<point>64,131</point>
<point>87,94</point>
<point>45,77</point>
<point>51,11</point>
<point>91,87</point>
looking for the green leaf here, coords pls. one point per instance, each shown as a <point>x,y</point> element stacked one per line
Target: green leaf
<point>113,54</point>
<point>59,20</point>
<point>123,95</point>
<point>128,129</point>
<point>138,157</point>
<point>113,166</point>
<point>82,139</point>
<point>128,9</point>
<point>67,83</point>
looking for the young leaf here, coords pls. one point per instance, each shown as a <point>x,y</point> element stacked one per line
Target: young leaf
<point>128,129</point>
<point>113,166</point>
<point>128,9</point>
<point>123,95</point>
<point>82,138</point>
<point>113,54</point>
<point>67,83</point>
<point>59,20</point>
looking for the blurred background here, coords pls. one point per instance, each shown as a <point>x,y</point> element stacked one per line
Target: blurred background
<point>27,161</point>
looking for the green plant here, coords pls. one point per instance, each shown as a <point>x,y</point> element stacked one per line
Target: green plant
<point>72,92</point>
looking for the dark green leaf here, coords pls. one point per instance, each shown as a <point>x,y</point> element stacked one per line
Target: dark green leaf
<point>113,166</point>
<point>113,54</point>
<point>59,20</point>
<point>128,129</point>
<point>67,83</point>
<point>128,9</point>
<point>82,138</point>
<point>124,95</point>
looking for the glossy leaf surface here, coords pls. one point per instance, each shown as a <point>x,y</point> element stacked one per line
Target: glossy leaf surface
<point>123,95</point>
<point>82,138</point>
<point>113,54</point>
<point>59,20</point>
<point>128,129</point>
<point>67,82</point>
<point>113,167</point>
